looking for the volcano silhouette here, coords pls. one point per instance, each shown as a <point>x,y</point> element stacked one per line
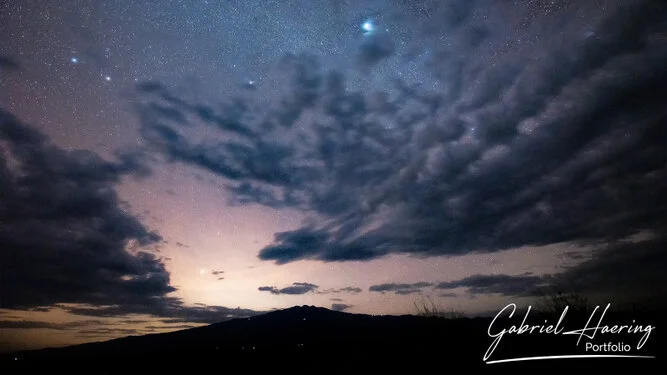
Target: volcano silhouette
<point>301,339</point>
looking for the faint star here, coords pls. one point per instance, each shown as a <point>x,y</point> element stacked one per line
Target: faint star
<point>250,85</point>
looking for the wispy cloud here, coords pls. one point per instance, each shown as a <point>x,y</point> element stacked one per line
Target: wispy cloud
<point>294,289</point>
<point>400,289</point>
<point>340,306</point>
<point>507,285</point>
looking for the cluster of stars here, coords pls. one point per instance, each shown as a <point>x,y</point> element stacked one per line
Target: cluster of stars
<point>105,77</point>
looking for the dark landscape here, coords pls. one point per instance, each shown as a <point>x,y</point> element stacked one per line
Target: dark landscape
<point>313,340</point>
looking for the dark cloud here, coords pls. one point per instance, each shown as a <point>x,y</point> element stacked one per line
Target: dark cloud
<point>347,289</point>
<point>450,13</point>
<point>31,324</point>
<point>173,310</point>
<point>303,288</point>
<point>216,273</point>
<point>400,289</point>
<point>294,289</point>
<point>133,321</point>
<point>405,292</point>
<point>26,324</point>
<point>64,233</point>
<point>340,306</point>
<point>67,240</point>
<point>624,273</point>
<point>375,48</point>
<point>627,274</point>
<point>448,295</point>
<point>171,327</point>
<point>104,331</point>
<point>507,285</point>
<point>41,309</point>
<point>336,299</point>
<point>295,245</point>
<point>8,63</point>
<point>559,138</point>
<point>575,255</point>
<point>172,320</point>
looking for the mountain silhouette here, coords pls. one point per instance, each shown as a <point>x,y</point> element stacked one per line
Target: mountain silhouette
<point>302,339</point>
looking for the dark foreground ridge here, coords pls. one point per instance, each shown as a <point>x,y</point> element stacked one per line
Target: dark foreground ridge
<point>311,339</point>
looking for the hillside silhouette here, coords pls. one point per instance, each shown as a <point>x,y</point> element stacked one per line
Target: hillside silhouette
<point>308,339</point>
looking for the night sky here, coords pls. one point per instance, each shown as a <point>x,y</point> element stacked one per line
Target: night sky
<point>167,164</point>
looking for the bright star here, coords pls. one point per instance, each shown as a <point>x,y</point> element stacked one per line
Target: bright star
<point>107,78</point>
<point>74,60</point>
<point>250,84</point>
<point>368,26</point>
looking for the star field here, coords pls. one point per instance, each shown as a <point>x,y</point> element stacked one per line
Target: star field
<point>93,53</point>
